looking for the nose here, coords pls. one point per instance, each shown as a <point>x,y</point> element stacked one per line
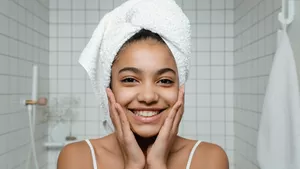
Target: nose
<point>147,95</point>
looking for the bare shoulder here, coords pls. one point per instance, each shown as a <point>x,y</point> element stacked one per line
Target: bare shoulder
<point>78,155</point>
<point>210,156</point>
<point>74,156</point>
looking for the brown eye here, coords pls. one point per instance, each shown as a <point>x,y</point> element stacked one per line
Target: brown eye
<point>128,80</point>
<point>166,81</point>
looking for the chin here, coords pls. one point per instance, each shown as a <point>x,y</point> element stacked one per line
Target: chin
<point>146,131</point>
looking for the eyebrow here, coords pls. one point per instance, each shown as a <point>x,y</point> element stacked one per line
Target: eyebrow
<point>138,71</point>
<point>165,70</point>
<point>131,69</point>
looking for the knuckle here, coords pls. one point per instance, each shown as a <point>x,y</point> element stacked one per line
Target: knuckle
<point>169,119</point>
<point>180,103</point>
<point>127,139</point>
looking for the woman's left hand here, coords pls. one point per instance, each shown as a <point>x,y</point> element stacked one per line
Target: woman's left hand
<point>157,154</point>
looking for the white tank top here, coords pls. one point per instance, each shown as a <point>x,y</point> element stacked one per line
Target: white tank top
<point>187,166</point>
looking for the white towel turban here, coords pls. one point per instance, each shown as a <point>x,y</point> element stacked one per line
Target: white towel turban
<point>163,17</point>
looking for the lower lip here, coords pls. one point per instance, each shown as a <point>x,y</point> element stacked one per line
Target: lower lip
<point>151,119</point>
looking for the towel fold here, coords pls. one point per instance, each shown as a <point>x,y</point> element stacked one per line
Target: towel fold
<point>163,17</point>
<point>278,145</point>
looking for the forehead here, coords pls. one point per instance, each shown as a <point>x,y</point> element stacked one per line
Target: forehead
<point>145,54</point>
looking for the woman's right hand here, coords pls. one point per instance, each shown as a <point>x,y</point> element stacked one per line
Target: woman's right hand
<point>133,155</point>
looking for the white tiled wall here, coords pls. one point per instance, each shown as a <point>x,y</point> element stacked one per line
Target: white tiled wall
<point>24,38</point>
<point>254,46</point>
<point>233,45</point>
<point>295,40</point>
<point>209,90</point>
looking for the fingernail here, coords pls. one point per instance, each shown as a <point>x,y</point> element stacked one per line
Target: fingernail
<point>182,88</point>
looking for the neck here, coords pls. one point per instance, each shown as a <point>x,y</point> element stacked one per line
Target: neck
<point>145,143</point>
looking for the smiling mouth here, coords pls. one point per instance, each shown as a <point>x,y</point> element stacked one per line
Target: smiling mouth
<point>146,113</point>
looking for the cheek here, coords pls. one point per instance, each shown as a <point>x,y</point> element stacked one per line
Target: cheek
<point>123,97</point>
<point>170,96</point>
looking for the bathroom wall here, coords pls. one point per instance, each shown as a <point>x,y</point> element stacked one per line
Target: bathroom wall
<point>295,40</point>
<point>23,42</point>
<point>255,26</point>
<point>209,90</point>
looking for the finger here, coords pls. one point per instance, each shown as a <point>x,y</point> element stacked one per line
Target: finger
<point>169,122</point>
<point>182,88</point>
<point>124,122</point>
<point>167,126</point>
<point>110,95</point>
<point>176,106</point>
<point>111,103</point>
<point>178,103</point>
<point>180,112</point>
<point>113,113</point>
<point>117,122</point>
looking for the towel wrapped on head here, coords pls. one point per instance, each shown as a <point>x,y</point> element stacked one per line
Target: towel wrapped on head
<point>163,17</point>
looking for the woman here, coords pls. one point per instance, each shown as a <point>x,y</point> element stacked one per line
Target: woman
<point>145,99</point>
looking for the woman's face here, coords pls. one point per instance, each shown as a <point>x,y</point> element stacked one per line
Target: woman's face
<point>145,83</point>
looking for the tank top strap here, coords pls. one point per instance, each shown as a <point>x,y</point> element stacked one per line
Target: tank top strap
<point>192,154</point>
<point>92,153</point>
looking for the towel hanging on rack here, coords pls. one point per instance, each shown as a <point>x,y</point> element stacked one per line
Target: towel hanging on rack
<point>291,12</point>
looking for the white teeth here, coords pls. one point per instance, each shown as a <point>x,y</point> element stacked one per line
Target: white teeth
<point>146,113</point>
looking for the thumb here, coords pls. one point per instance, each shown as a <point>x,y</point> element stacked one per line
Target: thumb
<point>149,148</point>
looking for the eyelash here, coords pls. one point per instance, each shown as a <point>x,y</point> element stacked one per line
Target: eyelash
<point>167,81</point>
<point>128,80</point>
<point>132,80</point>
